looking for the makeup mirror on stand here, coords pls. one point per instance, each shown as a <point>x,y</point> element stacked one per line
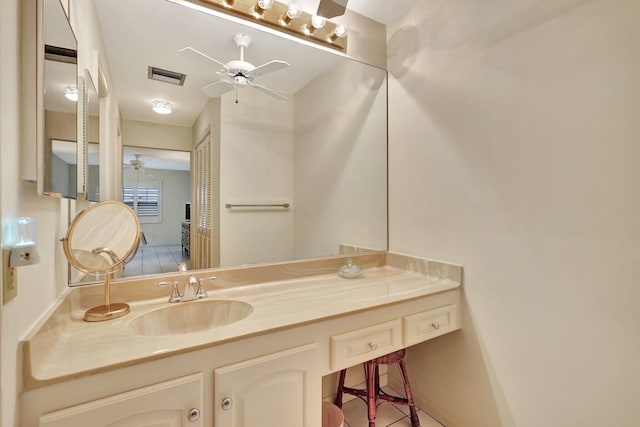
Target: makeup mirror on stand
<point>102,239</point>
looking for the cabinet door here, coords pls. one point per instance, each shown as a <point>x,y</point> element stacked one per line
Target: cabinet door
<point>277,390</point>
<point>168,404</point>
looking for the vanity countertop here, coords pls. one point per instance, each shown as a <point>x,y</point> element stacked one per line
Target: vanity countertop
<point>63,346</point>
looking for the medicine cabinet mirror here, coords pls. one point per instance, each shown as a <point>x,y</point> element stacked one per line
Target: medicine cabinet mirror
<point>57,158</point>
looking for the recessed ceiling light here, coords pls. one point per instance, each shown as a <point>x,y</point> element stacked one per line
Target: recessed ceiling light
<point>161,107</point>
<point>71,93</point>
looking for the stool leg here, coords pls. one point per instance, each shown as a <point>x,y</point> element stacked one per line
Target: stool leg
<point>338,400</point>
<point>415,421</point>
<point>370,374</point>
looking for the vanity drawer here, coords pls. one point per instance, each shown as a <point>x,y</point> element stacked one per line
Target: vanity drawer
<point>429,324</point>
<point>358,346</point>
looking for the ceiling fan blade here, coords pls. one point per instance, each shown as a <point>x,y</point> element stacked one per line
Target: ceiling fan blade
<point>190,49</point>
<point>268,92</point>
<point>218,88</point>
<point>145,173</point>
<point>268,67</point>
<point>331,8</point>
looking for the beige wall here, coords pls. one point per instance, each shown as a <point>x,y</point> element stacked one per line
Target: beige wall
<point>514,151</point>
<point>256,166</point>
<point>153,135</point>
<point>38,285</point>
<point>340,161</point>
<point>18,199</point>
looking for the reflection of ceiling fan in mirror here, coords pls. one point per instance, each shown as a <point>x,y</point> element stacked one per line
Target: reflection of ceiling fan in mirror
<point>240,73</point>
<point>137,165</point>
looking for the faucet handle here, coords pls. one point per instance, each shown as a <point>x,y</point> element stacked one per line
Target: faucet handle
<point>175,294</point>
<point>200,293</point>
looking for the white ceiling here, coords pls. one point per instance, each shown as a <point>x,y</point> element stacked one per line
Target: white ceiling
<point>151,32</point>
<point>141,33</point>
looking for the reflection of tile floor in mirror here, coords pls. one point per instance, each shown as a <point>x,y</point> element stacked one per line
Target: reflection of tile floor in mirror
<point>355,414</point>
<point>155,260</point>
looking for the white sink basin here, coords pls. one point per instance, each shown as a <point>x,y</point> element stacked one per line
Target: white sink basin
<point>187,317</point>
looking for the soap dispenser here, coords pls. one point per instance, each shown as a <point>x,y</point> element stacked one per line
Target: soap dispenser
<point>349,270</point>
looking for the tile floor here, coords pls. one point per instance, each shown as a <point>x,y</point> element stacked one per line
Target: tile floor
<point>155,260</point>
<point>355,414</point>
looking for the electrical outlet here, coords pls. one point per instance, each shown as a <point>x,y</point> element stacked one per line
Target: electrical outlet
<point>9,278</point>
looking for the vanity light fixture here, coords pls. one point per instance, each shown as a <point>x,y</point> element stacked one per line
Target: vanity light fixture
<point>316,23</point>
<point>293,12</point>
<point>71,93</point>
<point>285,16</point>
<point>161,107</point>
<point>261,7</point>
<point>338,33</point>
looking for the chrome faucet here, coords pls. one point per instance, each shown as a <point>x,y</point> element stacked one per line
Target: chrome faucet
<point>190,291</point>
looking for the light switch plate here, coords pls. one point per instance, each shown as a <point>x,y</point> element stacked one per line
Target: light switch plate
<point>9,278</point>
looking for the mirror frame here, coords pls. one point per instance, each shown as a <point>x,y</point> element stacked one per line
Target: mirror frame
<point>89,93</point>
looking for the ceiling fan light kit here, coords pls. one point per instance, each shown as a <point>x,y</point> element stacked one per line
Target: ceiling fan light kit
<point>286,17</point>
<point>239,73</point>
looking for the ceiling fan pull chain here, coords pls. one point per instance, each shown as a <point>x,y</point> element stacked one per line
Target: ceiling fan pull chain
<point>236,94</point>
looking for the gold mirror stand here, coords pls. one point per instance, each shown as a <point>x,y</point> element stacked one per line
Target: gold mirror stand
<point>107,311</point>
<point>92,239</point>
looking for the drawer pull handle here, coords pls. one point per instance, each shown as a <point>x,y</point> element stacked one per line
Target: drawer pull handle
<point>227,403</point>
<point>373,346</point>
<point>193,415</point>
<point>435,325</point>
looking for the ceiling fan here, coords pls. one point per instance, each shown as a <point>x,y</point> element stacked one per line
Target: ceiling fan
<point>137,164</point>
<point>239,72</point>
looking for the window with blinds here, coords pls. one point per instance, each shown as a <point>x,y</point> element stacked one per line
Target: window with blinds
<point>145,198</point>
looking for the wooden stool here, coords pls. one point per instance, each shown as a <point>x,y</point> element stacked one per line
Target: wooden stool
<point>373,395</point>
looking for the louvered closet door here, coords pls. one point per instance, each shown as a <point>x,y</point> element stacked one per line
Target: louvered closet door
<point>201,257</point>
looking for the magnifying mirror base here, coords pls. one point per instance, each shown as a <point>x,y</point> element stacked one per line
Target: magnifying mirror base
<point>104,312</point>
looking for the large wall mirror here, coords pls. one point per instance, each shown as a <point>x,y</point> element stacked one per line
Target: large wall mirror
<point>58,148</point>
<point>271,180</point>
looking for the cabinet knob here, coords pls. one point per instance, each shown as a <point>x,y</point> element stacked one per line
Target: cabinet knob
<point>193,415</point>
<point>435,325</point>
<point>373,345</point>
<point>226,403</point>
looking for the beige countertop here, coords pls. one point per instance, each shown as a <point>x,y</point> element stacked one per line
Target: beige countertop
<point>63,346</point>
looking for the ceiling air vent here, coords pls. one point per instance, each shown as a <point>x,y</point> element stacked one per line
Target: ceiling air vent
<point>171,77</point>
<point>60,54</point>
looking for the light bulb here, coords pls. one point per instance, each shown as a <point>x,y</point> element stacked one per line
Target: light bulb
<point>71,93</point>
<point>316,23</point>
<point>261,6</point>
<point>161,107</point>
<point>293,12</point>
<point>339,32</point>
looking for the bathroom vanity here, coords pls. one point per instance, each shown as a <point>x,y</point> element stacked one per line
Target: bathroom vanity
<point>278,330</point>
